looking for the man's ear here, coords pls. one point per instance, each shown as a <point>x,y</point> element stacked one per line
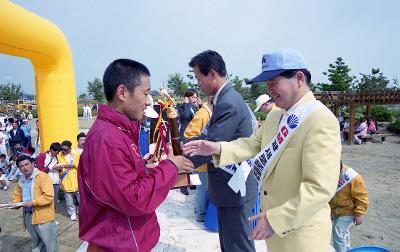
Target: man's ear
<point>213,74</point>
<point>121,92</point>
<point>301,78</point>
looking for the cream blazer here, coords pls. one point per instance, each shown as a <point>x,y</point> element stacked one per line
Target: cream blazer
<point>299,184</point>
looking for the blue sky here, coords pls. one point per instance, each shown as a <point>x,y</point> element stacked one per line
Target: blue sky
<point>164,35</point>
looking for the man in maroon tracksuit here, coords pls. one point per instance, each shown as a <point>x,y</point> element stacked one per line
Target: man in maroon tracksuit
<point>118,194</point>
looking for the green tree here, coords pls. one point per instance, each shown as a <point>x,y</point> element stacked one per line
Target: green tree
<point>243,90</point>
<point>257,89</point>
<point>10,92</point>
<point>339,76</point>
<point>82,96</point>
<point>95,89</point>
<point>237,83</point>
<point>372,82</point>
<point>192,83</point>
<point>177,84</point>
<point>395,85</point>
<point>312,86</point>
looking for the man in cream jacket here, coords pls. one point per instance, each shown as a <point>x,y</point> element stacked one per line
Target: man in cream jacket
<point>294,157</point>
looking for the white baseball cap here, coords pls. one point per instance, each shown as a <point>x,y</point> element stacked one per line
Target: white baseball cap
<point>261,100</point>
<point>149,111</point>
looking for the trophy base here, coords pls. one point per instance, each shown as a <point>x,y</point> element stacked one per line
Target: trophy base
<point>183,180</point>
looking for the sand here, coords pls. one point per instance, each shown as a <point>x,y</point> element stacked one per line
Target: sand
<point>378,163</point>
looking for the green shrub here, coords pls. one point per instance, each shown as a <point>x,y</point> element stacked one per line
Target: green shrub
<point>396,113</point>
<point>394,127</point>
<point>382,114</point>
<point>252,106</point>
<point>260,114</point>
<point>358,113</point>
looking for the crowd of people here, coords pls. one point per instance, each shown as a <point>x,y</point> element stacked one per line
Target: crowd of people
<point>15,139</point>
<point>39,177</point>
<point>87,111</point>
<point>290,161</point>
<point>363,127</point>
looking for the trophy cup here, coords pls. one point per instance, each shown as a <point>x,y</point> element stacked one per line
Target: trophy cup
<point>171,128</point>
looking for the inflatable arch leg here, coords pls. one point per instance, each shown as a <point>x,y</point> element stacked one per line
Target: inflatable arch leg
<point>24,34</point>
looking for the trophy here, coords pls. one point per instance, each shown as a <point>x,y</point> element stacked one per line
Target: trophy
<point>171,128</point>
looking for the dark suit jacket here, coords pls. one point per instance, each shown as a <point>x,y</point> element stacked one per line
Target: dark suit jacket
<point>186,112</point>
<point>19,137</point>
<point>230,120</point>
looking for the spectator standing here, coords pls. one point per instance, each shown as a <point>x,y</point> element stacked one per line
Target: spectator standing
<point>37,142</point>
<point>17,136</point>
<point>69,160</point>
<point>26,128</point>
<point>3,141</point>
<point>89,112</point>
<point>348,206</point>
<point>85,112</point>
<point>47,162</point>
<point>195,128</point>
<point>186,113</point>
<point>35,191</point>
<point>187,110</point>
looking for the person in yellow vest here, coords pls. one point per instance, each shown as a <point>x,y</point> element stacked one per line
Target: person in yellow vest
<point>68,160</point>
<point>293,156</point>
<point>194,129</point>
<point>348,206</point>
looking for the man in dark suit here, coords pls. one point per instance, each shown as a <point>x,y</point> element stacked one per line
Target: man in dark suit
<point>16,136</point>
<point>230,120</point>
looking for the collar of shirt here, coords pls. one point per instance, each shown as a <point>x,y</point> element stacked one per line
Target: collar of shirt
<point>27,180</point>
<point>217,93</point>
<point>298,103</point>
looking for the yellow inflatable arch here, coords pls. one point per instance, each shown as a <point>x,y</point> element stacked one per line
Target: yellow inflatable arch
<point>24,34</point>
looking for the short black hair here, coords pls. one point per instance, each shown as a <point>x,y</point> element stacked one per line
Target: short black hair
<point>82,134</point>
<point>290,73</point>
<point>2,155</point>
<point>207,61</point>
<point>123,72</point>
<point>66,143</point>
<point>55,146</point>
<point>22,158</point>
<point>31,149</point>
<point>190,92</point>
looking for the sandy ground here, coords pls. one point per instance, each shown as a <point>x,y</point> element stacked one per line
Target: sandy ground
<point>378,163</point>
